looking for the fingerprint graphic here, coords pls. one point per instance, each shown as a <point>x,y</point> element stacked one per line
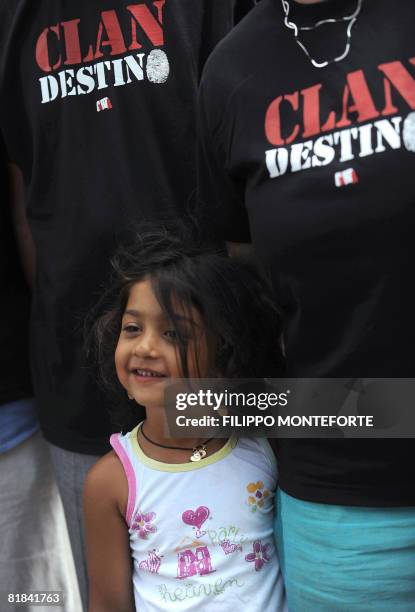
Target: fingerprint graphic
<point>409,132</point>
<point>158,67</point>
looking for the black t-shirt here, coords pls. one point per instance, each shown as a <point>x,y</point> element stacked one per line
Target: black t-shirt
<point>317,167</point>
<point>98,109</point>
<point>14,309</point>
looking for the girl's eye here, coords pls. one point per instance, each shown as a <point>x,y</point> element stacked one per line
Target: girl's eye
<point>171,334</point>
<point>131,328</point>
<point>185,335</point>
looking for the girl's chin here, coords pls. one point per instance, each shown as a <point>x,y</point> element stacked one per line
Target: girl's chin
<point>149,403</point>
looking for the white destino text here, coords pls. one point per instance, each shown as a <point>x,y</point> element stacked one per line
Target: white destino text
<point>115,73</point>
<point>342,146</point>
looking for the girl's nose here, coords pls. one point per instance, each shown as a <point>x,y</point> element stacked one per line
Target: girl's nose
<point>146,346</point>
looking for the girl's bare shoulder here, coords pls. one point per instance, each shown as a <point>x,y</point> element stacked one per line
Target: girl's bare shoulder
<point>106,480</point>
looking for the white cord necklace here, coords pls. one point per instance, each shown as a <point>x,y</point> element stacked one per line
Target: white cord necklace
<point>351,19</point>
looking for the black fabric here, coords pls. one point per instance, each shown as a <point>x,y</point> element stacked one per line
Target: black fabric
<point>14,309</point>
<point>98,109</point>
<point>317,167</point>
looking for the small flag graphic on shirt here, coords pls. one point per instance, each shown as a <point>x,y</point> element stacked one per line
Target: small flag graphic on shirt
<point>346,177</point>
<point>103,104</point>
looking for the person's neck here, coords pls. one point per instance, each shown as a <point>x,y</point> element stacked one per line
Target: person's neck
<point>155,429</point>
<point>309,1</point>
<point>320,9</point>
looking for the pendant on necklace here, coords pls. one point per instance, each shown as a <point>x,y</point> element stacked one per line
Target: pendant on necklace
<point>198,453</point>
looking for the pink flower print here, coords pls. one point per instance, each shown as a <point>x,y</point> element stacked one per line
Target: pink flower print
<point>143,524</point>
<point>260,555</point>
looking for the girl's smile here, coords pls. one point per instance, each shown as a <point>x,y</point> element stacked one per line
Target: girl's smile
<point>148,374</point>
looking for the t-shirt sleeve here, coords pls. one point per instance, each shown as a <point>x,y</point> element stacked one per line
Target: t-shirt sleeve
<point>13,125</point>
<point>220,196</point>
<point>242,7</point>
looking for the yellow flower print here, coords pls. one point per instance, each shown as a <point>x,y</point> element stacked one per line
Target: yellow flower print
<point>258,495</point>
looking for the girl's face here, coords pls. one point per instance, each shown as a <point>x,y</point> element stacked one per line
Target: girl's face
<point>147,354</point>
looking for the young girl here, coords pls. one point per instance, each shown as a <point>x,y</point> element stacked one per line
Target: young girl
<point>200,534</point>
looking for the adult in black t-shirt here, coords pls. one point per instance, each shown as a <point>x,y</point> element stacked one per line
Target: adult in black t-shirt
<point>308,141</point>
<point>15,383</point>
<point>97,104</point>
<point>31,556</point>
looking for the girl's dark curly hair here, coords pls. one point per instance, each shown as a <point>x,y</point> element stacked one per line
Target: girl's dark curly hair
<point>232,297</point>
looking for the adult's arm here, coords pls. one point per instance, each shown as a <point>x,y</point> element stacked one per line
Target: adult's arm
<point>221,212</point>
<point>24,236</point>
<point>107,540</point>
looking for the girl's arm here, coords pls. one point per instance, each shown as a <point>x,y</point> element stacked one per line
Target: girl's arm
<point>107,542</point>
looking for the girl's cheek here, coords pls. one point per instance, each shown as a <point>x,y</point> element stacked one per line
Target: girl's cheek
<point>120,365</point>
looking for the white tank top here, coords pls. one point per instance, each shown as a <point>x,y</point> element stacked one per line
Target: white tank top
<point>201,534</point>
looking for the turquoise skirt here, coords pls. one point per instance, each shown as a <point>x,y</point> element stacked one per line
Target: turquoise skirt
<point>346,558</point>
